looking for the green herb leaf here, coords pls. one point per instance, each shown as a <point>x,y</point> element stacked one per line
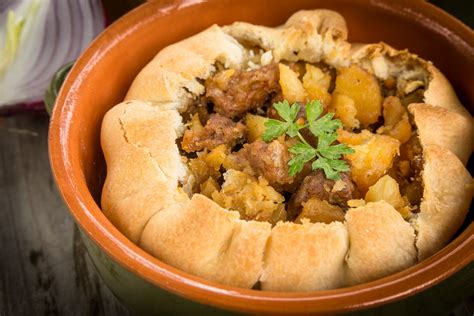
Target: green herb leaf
<point>285,111</point>
<point>325,124</point>
<point>296,164</point>
<point>328,155</point>
<point>302,154</point>
<point>294,110</point>
<point>331,168</point>
<point>335,152</point>
<point>274,129</point>
<point>323,163</point>
<point>293,129</point>
<point>326,139</point>
<point>302,148</point>
<point>313,110</point>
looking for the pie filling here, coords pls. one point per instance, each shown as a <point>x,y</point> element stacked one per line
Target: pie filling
<point>230,162</point>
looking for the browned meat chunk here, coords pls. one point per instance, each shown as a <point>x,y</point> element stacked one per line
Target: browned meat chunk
<point>317,186</point>
<point>218,130</point>
<point>269,160</point>
<point>238,92</point>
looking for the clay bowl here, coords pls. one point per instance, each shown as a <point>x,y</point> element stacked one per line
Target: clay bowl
<point>100,79</point>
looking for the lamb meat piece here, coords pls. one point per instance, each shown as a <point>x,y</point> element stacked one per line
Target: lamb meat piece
<point>218,130</point>
<point>316,185</point>
<point>235,95</point>
<point>269,160</point>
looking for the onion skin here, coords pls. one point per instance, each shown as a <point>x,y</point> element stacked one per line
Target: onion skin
<point>45,35</point>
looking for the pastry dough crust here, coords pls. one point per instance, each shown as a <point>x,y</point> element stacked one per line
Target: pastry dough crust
<point>441,127</point>
<point>447,193</point>
<point>381,242</point>
<point>313,36</point>
<point>384,60</point>
<point>305,257</point>
<point>206,240</point>
<point>143,164</point>
<point>144,199</point>
<point>172,76</point>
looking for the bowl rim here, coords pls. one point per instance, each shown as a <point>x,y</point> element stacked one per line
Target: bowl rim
<point>96,226</point>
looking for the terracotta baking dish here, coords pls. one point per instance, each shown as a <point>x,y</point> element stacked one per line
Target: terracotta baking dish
<point>100,79</point>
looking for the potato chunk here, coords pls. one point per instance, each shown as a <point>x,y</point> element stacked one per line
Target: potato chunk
<point>396,122</point>
<point>222,78</point>
<point>364,89</point>
<point>345,110</point>
<point>252,198</point>
<point>401,131</point>
<point>372,158</point>
<point>354,138</point>
<point>291,86</point>
<point>321,211</point>
<point>393,110</point>
<point>209,186</point>
<point>207,165</point>
<point>200,172</point>
<point>195,123</point>
<point>387,189</point>
<point>216,157</point>
<point>255,126</point>
<point>316,84</point>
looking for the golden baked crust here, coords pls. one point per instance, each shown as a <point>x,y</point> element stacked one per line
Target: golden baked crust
<point>441,127</point>
<point>143,194</point>
<point>447,193</point>
<point>381,242</point>
<point>172,76</point>
<point>143,164</point>
<point>313,36</point>
<point>305,257</point>
<point>206,240</point>
<point>384,60</point>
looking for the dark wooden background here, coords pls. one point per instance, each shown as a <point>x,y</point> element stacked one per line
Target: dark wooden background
<point>44,267</point>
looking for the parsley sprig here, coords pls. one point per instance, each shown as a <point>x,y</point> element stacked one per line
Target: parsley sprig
<point>328,156</point>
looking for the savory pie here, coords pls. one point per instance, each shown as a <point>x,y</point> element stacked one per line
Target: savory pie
<point>286,158</point>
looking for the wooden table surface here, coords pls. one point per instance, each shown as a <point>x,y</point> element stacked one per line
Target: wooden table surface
<point>44,267</point>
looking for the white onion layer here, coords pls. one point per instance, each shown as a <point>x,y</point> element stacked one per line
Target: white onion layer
<point>48,34</point>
